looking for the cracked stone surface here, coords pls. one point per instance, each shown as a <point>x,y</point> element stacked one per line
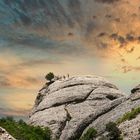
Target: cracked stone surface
<point>130,129</point>
<point>70,106</point>
<point>4,135</point>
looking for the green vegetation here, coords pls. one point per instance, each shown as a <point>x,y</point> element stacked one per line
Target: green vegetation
<point>21,131</point>
<point>129,115</point>
<point>49,76</point>
<point>114,132</point>
<point>89,135</point>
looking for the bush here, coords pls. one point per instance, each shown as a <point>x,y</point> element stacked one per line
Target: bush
<point>89,135</point>
<point>129,115</point>
<point>114,132</point>
<point>49,76</point>
<point>21,131</point>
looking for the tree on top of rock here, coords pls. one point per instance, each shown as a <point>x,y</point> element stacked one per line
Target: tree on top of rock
<point>49,77</point>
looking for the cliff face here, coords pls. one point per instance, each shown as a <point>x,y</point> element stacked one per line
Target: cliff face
<point>70,106</point>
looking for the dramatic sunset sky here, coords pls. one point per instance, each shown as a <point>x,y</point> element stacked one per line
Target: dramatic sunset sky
<point>79,37</point>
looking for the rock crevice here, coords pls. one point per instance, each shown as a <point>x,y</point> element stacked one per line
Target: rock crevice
<point>92,117</point>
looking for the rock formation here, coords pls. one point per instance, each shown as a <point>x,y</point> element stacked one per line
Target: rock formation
<point>70,106</point>
<point>4,135</point>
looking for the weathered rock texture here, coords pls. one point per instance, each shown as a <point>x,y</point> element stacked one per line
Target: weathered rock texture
<point>4,135</point>
<point>131,129</point>
<point>70,106</point>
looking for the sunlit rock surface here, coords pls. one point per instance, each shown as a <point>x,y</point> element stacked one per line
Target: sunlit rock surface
<point>4,135</point>
<point>72,105</point>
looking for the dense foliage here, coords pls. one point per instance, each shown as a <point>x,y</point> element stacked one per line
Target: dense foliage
<point>21,131</point>
<point>89,135</point>
<point>129,115</point>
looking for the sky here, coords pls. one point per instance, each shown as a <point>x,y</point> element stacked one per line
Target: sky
<point>76,37</point>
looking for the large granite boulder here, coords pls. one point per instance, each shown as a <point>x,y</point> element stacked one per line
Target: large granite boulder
<point>4,135</point>
<point>131,128</point>
<point>70,106</point>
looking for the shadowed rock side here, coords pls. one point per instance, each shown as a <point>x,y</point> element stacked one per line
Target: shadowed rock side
<point>4,135</point>
<point>70,106</point>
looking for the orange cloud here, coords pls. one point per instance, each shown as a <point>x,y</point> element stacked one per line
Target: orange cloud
<point>20,100</point>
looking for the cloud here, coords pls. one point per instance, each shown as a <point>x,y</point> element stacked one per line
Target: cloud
<point>16,104</point>
<point>103,45</point>
<point>102,34</point>
<point>24,18</point>
<point>123,60</point>
<point>13,112</point>
<point>91,26</point>
<point>75,10</point>
<point>33,42</point>
<point>130,50</point>
<point>70,34</point>
<point>89,30</point>
<point>127,69</point>
<point>4,82</point>
<point>107,1</point>
<point>108,16</point>
<point>18,81</point>
<point>114,36</point>
<point>134,15</point>
<point>36,13</point>
<point>124,40</point>
<point>117,19</point>
<point>37,62</point>
<point>130,37</point>
<point>16,74</point>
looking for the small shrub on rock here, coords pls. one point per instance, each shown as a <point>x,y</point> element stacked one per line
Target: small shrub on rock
<point>129,115</point>
<point>49,77</point>
<point>114,132</point>
<point>89,135</point>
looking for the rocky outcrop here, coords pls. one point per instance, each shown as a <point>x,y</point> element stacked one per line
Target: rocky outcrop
<point>4,135</point>
<point>135,93</point>
<point>70,106</point>
<point>131,128</point>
